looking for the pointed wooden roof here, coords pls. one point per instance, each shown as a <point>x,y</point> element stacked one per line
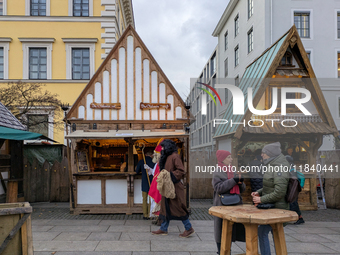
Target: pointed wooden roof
<point>258,74</point>
<point>129,85</point>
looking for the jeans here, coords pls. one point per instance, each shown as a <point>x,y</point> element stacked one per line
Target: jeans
<point>263,232</point>
<point>165,225</point>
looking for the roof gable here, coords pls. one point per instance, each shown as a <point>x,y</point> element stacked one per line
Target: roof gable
<point>7,119</point>
<point>258,74</point>
<point>129,85</point>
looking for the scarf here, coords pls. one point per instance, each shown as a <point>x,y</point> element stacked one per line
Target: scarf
<point>236,188</point>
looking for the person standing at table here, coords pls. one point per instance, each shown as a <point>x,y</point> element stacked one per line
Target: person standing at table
<point>294,206</point>
<point>226,182</point>
<point>173,209</point>
<point>145,168</point>
<point>274,189</point>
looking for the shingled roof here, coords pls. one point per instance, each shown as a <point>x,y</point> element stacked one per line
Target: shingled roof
<point>8,120</point>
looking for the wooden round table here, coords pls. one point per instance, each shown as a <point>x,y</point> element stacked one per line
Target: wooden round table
<point>250,216</point>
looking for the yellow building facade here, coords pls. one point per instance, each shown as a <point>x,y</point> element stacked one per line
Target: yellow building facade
<point>60,43</point>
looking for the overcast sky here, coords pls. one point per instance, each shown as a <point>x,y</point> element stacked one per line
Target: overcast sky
<point>178,35</point>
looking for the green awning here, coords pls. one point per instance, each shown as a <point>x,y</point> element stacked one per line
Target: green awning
<point>16,134</point>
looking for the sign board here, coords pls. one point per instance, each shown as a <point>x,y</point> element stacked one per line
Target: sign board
<point>113,106</point>
<point>153,106</point>
<point>82,161</point>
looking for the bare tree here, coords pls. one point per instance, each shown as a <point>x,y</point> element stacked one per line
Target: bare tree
<point>30,104</point>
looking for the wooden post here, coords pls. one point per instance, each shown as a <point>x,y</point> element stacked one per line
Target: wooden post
<point>251,238</point>
<point>279,239</point>
<point>12,192</point>
<point>227,231</point>
<point>130,157</point>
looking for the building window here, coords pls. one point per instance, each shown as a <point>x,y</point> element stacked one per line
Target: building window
<point>80,64</point>
<point>236,25</point>
<point>38,123</point>
<point>338,64</point>
<point>250,40</point>
<point>37,63</point>
<point>302,23</point>
<point>237,81</point>
<point>226,40</point>
<point>198,104</point>
<point>308,54</point>
<point>81,8</point>
<point>339,107</point>
<point>225,96</point>
<point>338,24</point>
<point>208,76</point>
<point>250,8</point>
<point>208,116</point>
<point>213,81</point>
<point>213,64</point>
<point>38,8</point>
<point>226,67</point>
<point>1,7</point>
<point>1,63</point>
<point>200,136</point>
<point>236,55</point>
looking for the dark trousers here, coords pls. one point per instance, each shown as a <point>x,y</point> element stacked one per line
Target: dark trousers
<point>294,206</point>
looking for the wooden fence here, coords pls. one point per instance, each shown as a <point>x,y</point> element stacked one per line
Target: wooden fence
<point>46,183</point>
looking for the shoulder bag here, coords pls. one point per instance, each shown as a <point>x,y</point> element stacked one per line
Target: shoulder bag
<point>230,199</point>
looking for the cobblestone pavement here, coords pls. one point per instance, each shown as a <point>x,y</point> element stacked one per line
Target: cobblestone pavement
<point>199,211</point>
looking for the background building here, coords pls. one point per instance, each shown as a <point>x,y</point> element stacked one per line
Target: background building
<point>58,43</point>
<point>248,27</point>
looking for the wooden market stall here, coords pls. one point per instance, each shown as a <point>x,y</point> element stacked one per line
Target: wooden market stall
<point>128,105</point>
<point>284,64</point>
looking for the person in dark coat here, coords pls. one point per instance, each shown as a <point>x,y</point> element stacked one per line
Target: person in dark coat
<point>256,177</point>
<point>274,189</point>
<point>143,167</point>
<point>173,209</point>
<point>226,182</point>
<point>294,206</point>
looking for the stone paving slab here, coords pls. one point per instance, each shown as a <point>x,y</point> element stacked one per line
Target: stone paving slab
<point>198,229</point>
<point>172,228</point>
<point>334,246</point>
<point>84,253</point>
<point>79,228</point>
<point>41,228</point>
<point>40,222</point>
<point>300,247</point>
<point>72,236</point>
<point>129,229</point>
<point>77,246</point>
<point>104,236</point>
<point>123,246</point>
<point>160,253</point>
<point>309,238</point>
<point>112,222</point>
<point>44,236</point>
<point>334,238</point>
<point>74,222</point>
<point>206,236</point>
<point>304,230</point>
<point>149,237</point>
<point>183,246</point>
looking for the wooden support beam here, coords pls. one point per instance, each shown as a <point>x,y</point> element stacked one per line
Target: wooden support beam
<point>12,192</point>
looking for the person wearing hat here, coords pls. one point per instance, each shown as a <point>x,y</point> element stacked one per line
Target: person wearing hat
<point>173,209</point>
<point>153,192</point>
<point>226,181</point>
<point>274,189</point>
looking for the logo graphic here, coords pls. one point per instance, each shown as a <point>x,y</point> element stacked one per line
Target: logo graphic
<point>213,90</point>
